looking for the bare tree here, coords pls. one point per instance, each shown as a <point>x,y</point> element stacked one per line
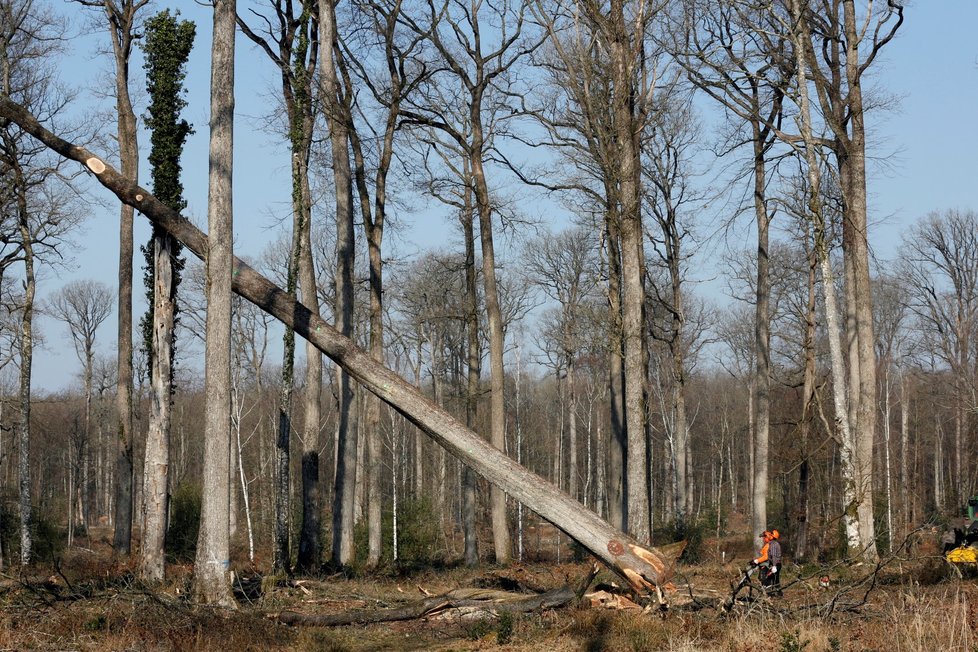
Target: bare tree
<point>561,264</point>
<point>477,61</point>
<point>731,54</point>
<point>401,74</point>
<point>292,45</point>
<point>834,34</point>
<point>337,120</point>
<point>890,320</point>
<point>35,211</point>
<point>815,210</point>
<point>940,263</point>
<point>668,192</point>
<point>83,306</point>
<point>121,17</point>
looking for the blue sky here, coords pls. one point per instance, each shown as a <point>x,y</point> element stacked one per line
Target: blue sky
<point>929,138</point>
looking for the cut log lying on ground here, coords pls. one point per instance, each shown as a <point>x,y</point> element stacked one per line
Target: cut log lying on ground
<point>483,600</point>
<point>644,568</point>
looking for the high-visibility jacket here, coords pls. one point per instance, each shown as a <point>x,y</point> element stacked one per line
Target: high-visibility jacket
<point>770,553</point>
<point>764,557</point>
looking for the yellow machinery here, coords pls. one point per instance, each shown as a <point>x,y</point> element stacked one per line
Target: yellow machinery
<point>961,538</point>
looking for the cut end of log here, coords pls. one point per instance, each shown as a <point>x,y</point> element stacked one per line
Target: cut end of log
<point>639,584</point>
<point>139,198</point>
<point>96,165</point>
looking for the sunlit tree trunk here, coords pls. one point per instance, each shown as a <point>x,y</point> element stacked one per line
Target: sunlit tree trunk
<point>211,566</point>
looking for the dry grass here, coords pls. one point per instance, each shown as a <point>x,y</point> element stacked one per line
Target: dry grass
<point>94,604</point>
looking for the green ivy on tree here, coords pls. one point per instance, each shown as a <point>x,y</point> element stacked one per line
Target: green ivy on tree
<point>166,48</point>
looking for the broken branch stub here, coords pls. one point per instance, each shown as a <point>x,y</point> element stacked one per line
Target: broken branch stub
<point>644,568</point>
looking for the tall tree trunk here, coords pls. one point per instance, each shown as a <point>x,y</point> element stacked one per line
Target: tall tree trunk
<point>618,441</point>
<point>26,366</point>
<point>122,37</point>
<point>374,218</point>
<point>808,396</point>
<point>336,119</point>
<point>633,296</point>
<point>310,547</point>
<point>572,474</point>
<point>502,545</point>
<point>847,450</point>
<point>905,451</point>
<point>762,341</point>
<point>862,297</point>
<point>473,371</point>
<point>211,577</point>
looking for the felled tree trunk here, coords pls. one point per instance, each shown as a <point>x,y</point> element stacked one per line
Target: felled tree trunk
<point>644,568</point>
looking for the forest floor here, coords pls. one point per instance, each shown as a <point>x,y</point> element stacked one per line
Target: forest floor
<point>86,601</point>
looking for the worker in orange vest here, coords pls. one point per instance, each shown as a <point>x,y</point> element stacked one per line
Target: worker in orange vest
<point>770,562</point>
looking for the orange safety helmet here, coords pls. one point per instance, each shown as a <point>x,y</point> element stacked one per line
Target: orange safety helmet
<point>775,534</point>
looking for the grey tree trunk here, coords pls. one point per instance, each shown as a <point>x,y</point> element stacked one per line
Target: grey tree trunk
<point>156,468</point>
<point>502,545</point>
<point>762,341</point>
<point>310,546</point>
<point>26,362</point>
<point>211,574</point>
<point>618,441</point>
<point>861,301</point>
<point>905,451</point>
<point>122,32</point>
<point>807,399</point>
<point>336,119</point>
<point>643,567</point>
<point>847,450</point>
<point>474,370</point>
<point>633,295</point>
<point>572,475</point>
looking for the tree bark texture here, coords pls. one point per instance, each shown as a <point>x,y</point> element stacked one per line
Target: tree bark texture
<point>762,342</point>
<point>618,444</point>
<point>310,546</point>
<point>473,371</point>
<point>502,546</point>
<point>122,33</point>
<point>642,567</point>
<point>633,295</point>
<point>336,119</point>
<point>26,361</point>
<point>841,397</point>
<point>211,578</point>
<point>156,468</point>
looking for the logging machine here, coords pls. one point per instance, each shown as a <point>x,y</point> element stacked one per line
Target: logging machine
<point>961,538</point>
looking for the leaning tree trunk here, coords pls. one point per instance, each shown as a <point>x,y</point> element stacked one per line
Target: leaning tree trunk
<point>644,568</point>
<point>211,577</point>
